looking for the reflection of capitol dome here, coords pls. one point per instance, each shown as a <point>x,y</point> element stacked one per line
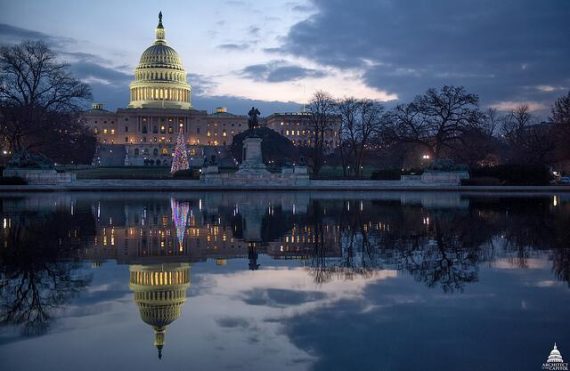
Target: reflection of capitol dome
<point>159,291</point>
<point>555,356</point>
<point>160,78</point>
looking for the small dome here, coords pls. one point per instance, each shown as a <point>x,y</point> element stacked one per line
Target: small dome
<point>555,356</point>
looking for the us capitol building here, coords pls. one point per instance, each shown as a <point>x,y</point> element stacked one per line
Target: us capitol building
<point>160,105</point>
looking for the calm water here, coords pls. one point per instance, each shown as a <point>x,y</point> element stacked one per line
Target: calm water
<point>283,281</point>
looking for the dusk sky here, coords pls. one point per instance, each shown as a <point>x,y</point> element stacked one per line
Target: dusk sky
<point>276,54</point>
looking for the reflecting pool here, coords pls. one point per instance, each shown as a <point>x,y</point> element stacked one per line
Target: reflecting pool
<point>283,281</point>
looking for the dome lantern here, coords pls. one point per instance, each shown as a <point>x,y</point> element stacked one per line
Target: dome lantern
<point>159,32</point>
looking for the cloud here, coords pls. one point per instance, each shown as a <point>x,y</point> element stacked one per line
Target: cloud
<point>233,322</point>
<point>509,106</point>
<point>241,105</point>
<point>279,71</point>
<point>253,30</point>
<point>109,75</point>
<point>110,84</point>
<point>232,46</point>
<point>281,297</point>
<point>550,88</point>
<point>13,35</point>
<point>495,49</point>
<point>200,83</point>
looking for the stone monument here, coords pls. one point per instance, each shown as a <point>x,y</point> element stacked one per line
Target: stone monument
<point>252,171</point>
<point>252,157</point>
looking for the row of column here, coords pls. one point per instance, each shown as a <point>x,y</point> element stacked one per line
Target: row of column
<point>179,95</point>
<point>159,278</point>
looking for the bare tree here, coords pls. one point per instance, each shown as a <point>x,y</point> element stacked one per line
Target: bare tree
<point>561,128</point>
<point>479,143</point>
<point>529,142</point>
<point>437,119</point>
<point>322,108</point>
<point>361,121</point>
<point>561,110</point>
<point>39,98</point>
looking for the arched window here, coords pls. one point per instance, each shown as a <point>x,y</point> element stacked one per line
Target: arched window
<point>155,152</point>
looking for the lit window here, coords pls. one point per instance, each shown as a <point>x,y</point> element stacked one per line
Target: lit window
<point>104,131</point>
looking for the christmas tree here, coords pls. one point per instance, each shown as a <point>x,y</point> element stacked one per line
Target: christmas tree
<point>180,218</point>
<point>180,160</point>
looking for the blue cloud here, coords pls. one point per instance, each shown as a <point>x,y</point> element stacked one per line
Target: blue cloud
<point>499,49</point>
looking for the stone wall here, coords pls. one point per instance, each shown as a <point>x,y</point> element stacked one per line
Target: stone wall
<point>38,176</point>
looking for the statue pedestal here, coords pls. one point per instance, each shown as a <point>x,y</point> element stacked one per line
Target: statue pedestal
<point>252,158</point>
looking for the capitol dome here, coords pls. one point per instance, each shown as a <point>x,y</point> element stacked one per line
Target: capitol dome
<point>555,356</point>
<point>159,292</point>
<point>160,78</point>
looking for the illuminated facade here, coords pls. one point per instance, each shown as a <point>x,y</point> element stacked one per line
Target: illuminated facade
<point>160,105</point>
<point>188,232</point>
<point>296,126</point>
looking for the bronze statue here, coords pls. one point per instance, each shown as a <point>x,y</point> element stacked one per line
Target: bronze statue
<point>253,122</point>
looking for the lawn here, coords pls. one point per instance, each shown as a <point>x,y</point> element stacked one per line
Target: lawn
<point>336,172</point>
<point>124,173</point>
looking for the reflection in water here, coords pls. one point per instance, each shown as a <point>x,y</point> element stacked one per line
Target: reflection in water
<point>440,240</point>
<point>180,219</point>
<point>39,266</point>
<point>159,291</point>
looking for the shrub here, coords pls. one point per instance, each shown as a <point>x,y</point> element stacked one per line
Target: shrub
<point>12,180</point>
<point>394,174</point>
<point>187,174</point>
<point>388,174</point>
<point>515,174</point>
<point>482,181</point>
